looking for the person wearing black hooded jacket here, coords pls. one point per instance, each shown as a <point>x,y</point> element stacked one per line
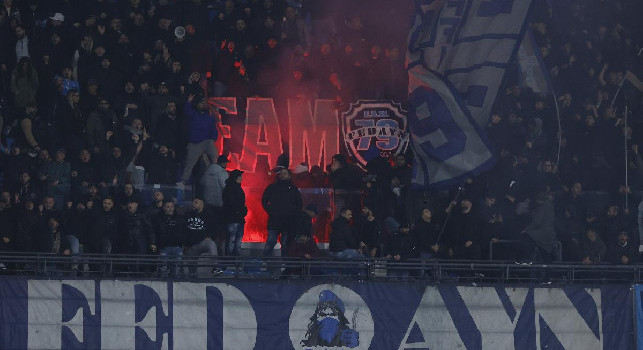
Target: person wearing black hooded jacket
<point>234,206</point>
<point>281,200</point>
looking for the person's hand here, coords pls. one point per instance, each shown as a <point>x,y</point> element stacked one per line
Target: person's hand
<point>146,135</point>
<point>307,256</point>
<point>586,260</point>
<point>41,208</point>
<point>625,259</point>
<point>132,106</point>
<point>388,256</point>
<point>397,257</point>
<point>84,183</point>
<point>101,29</point>
<point>6,240</point>
<point>435,248</point>
<point>3,67</point>
<point>76,25</point>
<point>135,138</point>
<point>109,135</point>
<point>115,180</point>
<point>67,252</point>
<point>468,244</point>
<point>190,98</point>
<point>373,252</point>
<point>43,177</point>
<point>494,240</point>
<point>221,17</point>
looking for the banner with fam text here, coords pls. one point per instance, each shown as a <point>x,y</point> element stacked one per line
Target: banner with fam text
<point>240,315</point>
<point>309,131</point>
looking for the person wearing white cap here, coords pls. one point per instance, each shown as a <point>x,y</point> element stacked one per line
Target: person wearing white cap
<point>57,17</point>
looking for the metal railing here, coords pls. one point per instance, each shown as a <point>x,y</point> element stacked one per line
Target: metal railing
<point>213,267</point>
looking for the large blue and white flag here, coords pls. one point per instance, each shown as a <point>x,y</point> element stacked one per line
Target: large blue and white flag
<point>457,55</point>
<point>533,72</point>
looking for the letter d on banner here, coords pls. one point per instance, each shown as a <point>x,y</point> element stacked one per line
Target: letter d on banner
<point>213,316</point>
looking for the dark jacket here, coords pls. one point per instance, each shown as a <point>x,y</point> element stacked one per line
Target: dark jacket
<point>234,202</point>
<point>401,244</point>
<point>281,200</point>
<point>169,231</point>
<point>104,225</point>
<point>198,227</point>
<point>134,233</point>
<point>370,233</point>
<point>300,247</point>
<point>47,239</point>
<point>341,236</point>
<point>595,250</point>
<point>616,251</point>
<point>426,235</point>
<point>202,125</point>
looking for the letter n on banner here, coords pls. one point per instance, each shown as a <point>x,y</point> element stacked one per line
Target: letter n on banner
<point>262,134</point>
<point>313,136</point>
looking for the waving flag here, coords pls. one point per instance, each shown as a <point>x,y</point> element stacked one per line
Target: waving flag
<point>457,55</point>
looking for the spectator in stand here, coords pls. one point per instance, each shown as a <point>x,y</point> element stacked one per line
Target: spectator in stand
<point>369,233</point>
<point>128,194</point>
<point>281,200</point>
<point>26,221</point>
<point>198,237</point>
<point>463,228</point>
<point>621,251</point>
<point>53,240</point>
<point>592,248</point>
<point>203,133</point>
<point>160,165</point>
<point>213,182</point>
<point>165,133</point>
<point>426,232</point>
<point>400,246</point>
<point>103,233</point>
<point>343,244</point>
<point>167,235</point>
<point>56,175</point>
<point>83,173</point>
<point>26,191</point>
<point>234,211</point>
<point>134,231</point>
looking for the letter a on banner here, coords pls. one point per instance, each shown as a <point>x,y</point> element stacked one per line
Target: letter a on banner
<point>262,134</point>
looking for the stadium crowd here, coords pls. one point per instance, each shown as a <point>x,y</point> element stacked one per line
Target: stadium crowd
<point>93,91</point>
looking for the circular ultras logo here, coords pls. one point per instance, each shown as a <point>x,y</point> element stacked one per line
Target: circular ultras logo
<point>331,316</point>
